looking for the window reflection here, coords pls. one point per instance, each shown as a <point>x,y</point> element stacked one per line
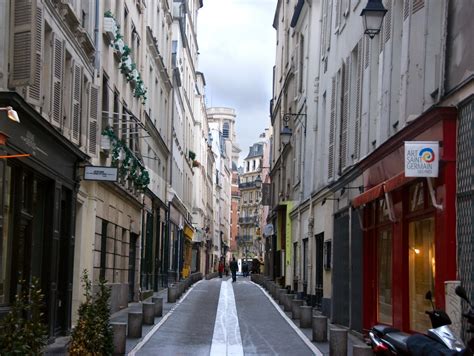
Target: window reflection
<point>384,269</point>
<point>421,257</point>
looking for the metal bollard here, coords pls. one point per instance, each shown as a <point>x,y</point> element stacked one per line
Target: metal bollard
<point>280,293</point>
<point>337,342</point>
<point>158,306</point>
<point>135,321</point>
<point>362,350</point>
<point>320,328</point>
<point>295,308</point>
<point>120,338</point>
<point>148,313</point>
<point>172,293</point>
<point>287,302</point>
<point>306,316</point>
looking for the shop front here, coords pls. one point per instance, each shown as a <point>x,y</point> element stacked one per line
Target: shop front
<point>409,227</point>
<point>37,215</point>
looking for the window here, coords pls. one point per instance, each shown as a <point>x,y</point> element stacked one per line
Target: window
<point>225,130</point>
<point>105,101</point>
<point>5,241</point>
<point>384,276</point>
<point>421,262</point>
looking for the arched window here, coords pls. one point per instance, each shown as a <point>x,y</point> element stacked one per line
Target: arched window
<point>225,130</point>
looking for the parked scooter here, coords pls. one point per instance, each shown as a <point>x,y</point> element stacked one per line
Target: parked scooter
<point>440,340</point>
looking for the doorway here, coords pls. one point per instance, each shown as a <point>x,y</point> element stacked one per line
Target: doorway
<point>132,258</point>
<point>319,265</point>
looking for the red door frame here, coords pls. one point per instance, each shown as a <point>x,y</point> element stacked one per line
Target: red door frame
<point>445,233</point>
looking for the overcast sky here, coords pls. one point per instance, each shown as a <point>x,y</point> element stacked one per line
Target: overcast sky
<point>237,50</point>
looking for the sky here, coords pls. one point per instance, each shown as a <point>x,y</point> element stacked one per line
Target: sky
<point>237,54</point>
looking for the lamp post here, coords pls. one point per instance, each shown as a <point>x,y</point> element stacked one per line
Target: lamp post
<point>373,15</point>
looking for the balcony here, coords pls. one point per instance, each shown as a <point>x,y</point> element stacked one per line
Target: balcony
<point>247,185</point>
<point>248,220</point>
<point>242,239</point>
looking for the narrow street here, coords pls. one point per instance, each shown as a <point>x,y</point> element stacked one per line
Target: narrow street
<point>218,317</point>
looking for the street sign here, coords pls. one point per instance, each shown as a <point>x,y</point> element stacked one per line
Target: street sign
<point>108,174</point>
<point>421,158</point>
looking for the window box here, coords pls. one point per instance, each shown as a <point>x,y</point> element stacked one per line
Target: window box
<point>110,28</point>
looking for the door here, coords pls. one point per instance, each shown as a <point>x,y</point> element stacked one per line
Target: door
<point>319,265</point>
<point>132,258</point>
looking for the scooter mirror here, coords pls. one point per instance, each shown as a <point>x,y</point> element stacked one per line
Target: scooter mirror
<point>460,291</point>
<point>428,296</point>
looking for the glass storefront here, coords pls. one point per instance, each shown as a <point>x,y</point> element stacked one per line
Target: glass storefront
<point>421,257</point>
<point>384,268</point>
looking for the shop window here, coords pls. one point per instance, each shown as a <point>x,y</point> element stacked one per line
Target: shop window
<point>382,212</point>
<point>384,280</point>
<point>416,197</point>
<point>421,256</point>
<point>327,255</point>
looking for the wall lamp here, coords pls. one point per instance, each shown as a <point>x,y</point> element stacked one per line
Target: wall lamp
<point>11,114</point>
<point>258,182</point>
<point>373,15</point>
<point>286,132</point>
<point>325,199</point>
<point>361,189</point>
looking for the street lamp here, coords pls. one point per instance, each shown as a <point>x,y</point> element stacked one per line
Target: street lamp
<point>258,182</point>
<point>373,15</point>
<point>286,132</point>
<point>11,114</point>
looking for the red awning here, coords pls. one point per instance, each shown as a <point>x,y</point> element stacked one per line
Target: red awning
<point>368,196</point>
<point>396,182</point>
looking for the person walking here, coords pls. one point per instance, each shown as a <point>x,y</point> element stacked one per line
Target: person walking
<point>221,268</point>
<point>233,269</point>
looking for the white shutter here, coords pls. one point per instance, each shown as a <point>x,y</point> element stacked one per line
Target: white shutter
<point>57,81</point>
<point>332,129</point>
<point>76,102</point>
<point>22,60</point>
<point>34,94</point>
<point>344,115</point>
<point>418,5</point>
<point>358,104</point>
<point>93,119</point>
<point>388,20</point>
<point>406,9</point>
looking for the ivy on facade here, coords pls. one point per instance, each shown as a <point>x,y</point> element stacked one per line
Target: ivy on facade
<point>129,166</point>
<point>127,67</point>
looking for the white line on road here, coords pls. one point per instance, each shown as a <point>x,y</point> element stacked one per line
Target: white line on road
<point>162,321</point>
<point>303,337</point>
<point>226,339</point>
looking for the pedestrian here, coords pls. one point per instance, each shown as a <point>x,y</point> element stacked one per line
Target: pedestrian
<point>233,269</point>
<point>221,268</point>
<point>245,269</point>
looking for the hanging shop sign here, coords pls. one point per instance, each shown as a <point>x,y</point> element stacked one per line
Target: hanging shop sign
<point>108,174</point>
<point>421,158</point>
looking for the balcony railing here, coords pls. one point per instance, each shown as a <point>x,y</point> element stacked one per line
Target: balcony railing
<point>248,220</point>
<point>247,185</point>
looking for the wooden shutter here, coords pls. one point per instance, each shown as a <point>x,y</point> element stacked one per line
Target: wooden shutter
<point>388,20</point>
<point>344,115</point>
<point>406,9</point>
<point>332,128</point>
<point>56,82</point>
<point>358,103</point>
<point>76,102</point>
<point>34,94</point>
<point>93,119</point>
<point>417,5</point>
<point>23,36</point>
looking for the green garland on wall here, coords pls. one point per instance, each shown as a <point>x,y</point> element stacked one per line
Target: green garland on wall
<point>129,166</point>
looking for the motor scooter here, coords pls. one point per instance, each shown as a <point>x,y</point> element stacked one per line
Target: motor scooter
<point>440,339</point>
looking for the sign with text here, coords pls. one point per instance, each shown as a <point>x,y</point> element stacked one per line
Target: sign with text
<point>421,158</point>
<point>108,174</point>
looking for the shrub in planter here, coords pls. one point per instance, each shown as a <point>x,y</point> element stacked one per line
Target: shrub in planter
<point>93,334</point>
<point>22,330</point>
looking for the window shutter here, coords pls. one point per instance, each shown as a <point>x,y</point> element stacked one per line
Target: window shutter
<point>93,119</point>
<point>344,115</point>
<point>367,51</point>
<point>388,20</point>
<point>22,61</point>
<point>324,27</point>
<point>34,95</point>
<point>332,128</point>
<point>76,102</point>
<point>418,5</point>
<point>57,90</point>
<point>406,9</point>
<point>358,104</point>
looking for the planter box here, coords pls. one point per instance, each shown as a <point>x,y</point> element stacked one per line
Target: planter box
<point>110,28</point>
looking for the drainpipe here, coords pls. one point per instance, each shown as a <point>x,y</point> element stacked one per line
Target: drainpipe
<point>96,38</point>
